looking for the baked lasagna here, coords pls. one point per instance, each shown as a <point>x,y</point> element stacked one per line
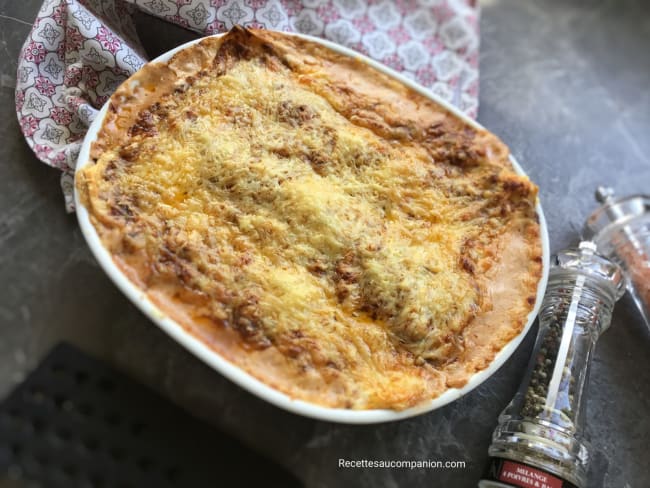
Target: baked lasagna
<point>327,229</point>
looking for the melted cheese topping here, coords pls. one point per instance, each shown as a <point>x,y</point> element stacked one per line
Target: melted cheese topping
<point>275,214</point>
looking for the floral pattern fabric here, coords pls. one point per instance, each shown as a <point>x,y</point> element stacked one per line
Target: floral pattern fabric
<point>79,51</point>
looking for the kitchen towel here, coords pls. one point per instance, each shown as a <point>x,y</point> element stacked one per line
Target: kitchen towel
<point>79,51</point>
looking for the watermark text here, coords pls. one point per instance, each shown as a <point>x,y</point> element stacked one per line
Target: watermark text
<point>400,464</point>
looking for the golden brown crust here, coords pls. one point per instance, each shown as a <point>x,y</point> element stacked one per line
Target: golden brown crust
<point>412,317</point>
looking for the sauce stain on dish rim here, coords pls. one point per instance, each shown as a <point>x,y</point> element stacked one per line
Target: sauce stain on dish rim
<point>239,376</point>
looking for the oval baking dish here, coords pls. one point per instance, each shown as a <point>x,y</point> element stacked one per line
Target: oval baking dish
<point>200,348</point>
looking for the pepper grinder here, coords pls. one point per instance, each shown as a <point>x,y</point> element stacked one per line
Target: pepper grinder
<point>539,442</point>
<point>621,230</point>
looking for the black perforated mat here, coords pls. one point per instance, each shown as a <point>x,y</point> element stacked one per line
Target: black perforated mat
<point>75,422</point>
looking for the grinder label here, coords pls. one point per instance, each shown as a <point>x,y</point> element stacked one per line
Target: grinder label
<point>524,476</point>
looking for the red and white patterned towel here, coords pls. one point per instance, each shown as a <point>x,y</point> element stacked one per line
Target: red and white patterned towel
<point>79,51</point>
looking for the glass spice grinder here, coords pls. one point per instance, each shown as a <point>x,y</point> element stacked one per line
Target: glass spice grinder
<point>539,442</point>
<point>621,230</point>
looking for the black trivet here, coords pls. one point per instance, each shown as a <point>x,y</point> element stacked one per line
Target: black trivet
<point>75,422</point>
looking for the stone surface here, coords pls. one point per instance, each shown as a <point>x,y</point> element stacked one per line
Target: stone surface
<point>563,83</point>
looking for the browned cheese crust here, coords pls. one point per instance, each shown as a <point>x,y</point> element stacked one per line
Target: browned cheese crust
<point>327,229</point>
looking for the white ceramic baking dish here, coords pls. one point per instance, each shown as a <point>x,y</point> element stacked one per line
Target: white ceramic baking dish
<point>242,378</point>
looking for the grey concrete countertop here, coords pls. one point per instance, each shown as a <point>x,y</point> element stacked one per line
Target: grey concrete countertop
<point>566,84</point>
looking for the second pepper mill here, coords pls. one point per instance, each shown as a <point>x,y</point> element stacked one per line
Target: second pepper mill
<point>539,442</point>
<point>621,230</point>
